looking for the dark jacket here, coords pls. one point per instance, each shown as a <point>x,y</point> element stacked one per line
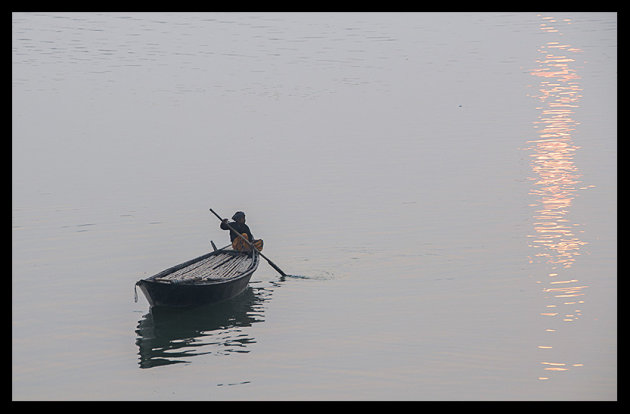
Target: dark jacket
<point>240,228</point>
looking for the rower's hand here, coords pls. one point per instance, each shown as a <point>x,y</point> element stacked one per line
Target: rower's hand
<point>225,221</point>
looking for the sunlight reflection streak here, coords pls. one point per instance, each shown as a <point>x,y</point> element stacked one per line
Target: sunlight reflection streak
<point>555,181</point>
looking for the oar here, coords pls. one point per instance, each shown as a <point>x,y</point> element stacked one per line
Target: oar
<point>272,264</point>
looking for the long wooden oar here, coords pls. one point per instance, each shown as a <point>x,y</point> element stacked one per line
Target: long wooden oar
<point>272,264</point>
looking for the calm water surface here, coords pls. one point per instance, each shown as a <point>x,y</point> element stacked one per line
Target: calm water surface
<point>441,188</point>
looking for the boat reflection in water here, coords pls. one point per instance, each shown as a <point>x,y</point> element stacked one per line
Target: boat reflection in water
<point>173,336</point>
<point>555,185</point>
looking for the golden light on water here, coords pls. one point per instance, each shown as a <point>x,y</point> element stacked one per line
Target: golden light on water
<point>556,176</point>
<point>555,239</point>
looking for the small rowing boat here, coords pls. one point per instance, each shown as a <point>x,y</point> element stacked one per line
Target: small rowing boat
<point>213,277</point>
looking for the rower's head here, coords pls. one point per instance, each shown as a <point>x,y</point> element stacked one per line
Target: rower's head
<point>239,217</point>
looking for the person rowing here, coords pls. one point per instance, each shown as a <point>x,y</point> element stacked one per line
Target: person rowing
<point>243,229</point>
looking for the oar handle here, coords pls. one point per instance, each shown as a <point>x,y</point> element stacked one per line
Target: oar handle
<point>272,264</point>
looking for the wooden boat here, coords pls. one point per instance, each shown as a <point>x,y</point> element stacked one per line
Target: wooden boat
<point>213,277</point>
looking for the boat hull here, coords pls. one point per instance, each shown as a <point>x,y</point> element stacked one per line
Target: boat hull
<point>186,295</point>
<point>171,293</point>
